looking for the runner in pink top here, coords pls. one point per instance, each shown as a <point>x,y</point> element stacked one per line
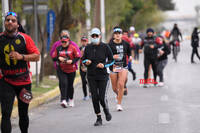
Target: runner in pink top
<point>58,43</point>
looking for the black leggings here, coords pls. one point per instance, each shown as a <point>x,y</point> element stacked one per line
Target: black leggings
<point>194,51</point>
<point>99,94</point>
<point>66,82</point>
<point>147,63</point>
<point>7,95</point>
<point>84,82</point>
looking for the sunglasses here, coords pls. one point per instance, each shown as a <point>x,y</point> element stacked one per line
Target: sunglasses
<point>94,35</point>
<point>11,20</point>
<point>64,37</point>
<point>11,13</point>
<point>117,32</point>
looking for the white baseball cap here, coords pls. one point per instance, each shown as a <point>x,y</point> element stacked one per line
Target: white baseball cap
<point>132,28</point>
<point>95,31</point>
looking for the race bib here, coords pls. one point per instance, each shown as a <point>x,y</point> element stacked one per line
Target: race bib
<point>117,68</point>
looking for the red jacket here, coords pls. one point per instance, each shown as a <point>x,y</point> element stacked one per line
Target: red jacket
<point>23,44</point>
<point>69,52</point>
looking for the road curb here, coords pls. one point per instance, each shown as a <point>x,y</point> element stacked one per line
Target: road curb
<point>43,98</point>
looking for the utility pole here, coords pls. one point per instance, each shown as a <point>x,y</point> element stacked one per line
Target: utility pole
<point>36,38</point>
<point>103,29</point>
<point>5,9</point>
<point>97,14</point>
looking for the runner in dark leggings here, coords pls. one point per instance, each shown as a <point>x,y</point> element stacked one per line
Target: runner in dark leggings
<point>150,55</point>
<point>66,55</point>
<point>9,92</point>
<point>83,69</point>
<point>163,52</point>
<point>16,50</point>
<point>98,57</point>
<point>195,44</point>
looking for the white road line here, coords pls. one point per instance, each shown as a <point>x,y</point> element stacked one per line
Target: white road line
<point>164,118</point>
<point>164,98</point>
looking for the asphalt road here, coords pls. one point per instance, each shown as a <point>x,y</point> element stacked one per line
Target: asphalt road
<point>174,108</point>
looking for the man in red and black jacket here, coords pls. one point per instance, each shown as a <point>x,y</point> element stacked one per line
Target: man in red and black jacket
<point>16,50</point>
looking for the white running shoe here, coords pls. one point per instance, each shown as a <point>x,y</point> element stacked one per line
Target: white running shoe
<point>161,84</point>
<point>86,98</point>
<point>146,86</point>
<point>119,107</point>
<point>64,104</point>
<point>71,102</point>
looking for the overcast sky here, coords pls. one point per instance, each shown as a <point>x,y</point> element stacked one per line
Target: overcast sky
<point>184,8</point>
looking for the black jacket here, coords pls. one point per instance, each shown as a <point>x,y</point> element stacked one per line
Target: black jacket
<point>149,52</point>
<point>98,54</point>
<point>175,33</point>
<point>166,50</point>
<point>195,39</point>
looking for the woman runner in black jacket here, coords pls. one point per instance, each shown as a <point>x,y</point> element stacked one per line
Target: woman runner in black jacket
<point>98,57</point>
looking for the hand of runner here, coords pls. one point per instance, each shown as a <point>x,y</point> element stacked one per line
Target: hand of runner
<point>161,52</point>
<point>62,59</point>
<point>116,56</point>
<point>151,46</point>
<point>88,62</point>
<point>100,65</point>
<point>130,58</point>
<point>15,55</point>
<point>69,61</point>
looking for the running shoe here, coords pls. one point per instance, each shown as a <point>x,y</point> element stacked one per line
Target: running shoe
<point>161,84</point>
<point>64,104</point>
<point>145,86</point>
<point>71,102</point>
<point>98,122</point>
<point>86,98</point>
<point>125,92</point>
<point>107,114</point>
<point>119,107</point>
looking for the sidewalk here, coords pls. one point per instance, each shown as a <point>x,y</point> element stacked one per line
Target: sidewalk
<point>43,98</point>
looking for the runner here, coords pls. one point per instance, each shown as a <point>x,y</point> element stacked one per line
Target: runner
<point>83,69</point>
<point>66,56</point>
<point>150,55</point>
<point>98,57</point>
<point>16,50</point>
<point>64,34</point>
<point>195,44</point>
<point>125,37</point>
<point>121,54</point>
<point>175,36</point>
<point>163,52</point>
<point>137,42</point>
